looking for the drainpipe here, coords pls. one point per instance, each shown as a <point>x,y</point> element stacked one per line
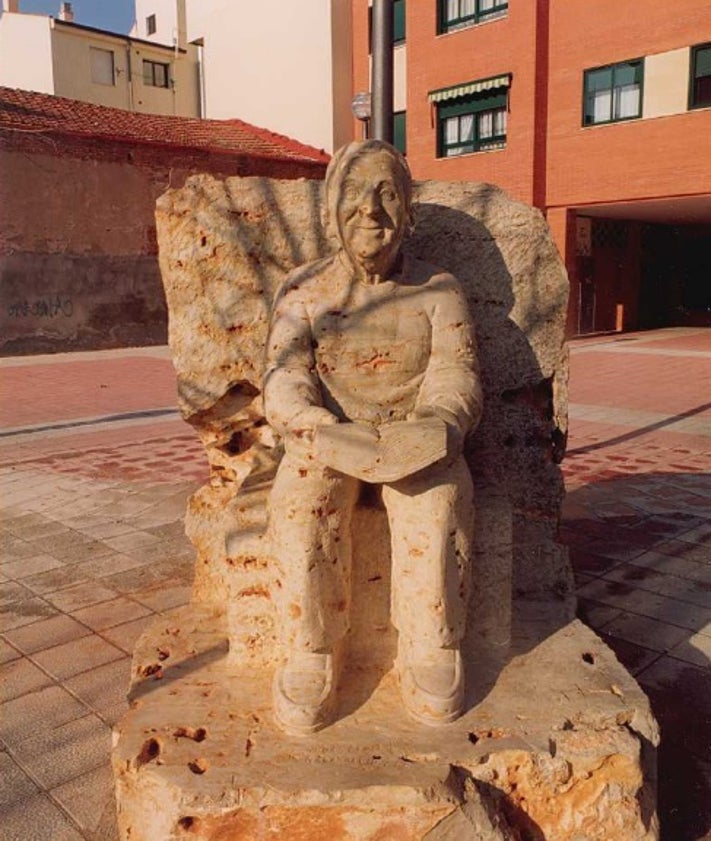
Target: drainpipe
<point>129,76</point>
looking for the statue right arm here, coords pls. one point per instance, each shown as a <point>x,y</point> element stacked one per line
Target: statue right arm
<point>292,395</point>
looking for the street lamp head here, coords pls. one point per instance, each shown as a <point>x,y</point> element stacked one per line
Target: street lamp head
<point>361,105</point>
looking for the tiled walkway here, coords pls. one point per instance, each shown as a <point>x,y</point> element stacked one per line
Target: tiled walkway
<point>95,468</point>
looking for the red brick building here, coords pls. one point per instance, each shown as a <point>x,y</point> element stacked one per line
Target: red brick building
<point>78,186</point>
<point>597,113</point>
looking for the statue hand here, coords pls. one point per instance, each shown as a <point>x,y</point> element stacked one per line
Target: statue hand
<point>455,438</point>
<point>304,425</point>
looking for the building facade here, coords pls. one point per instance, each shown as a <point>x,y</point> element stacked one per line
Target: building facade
<point>598,114</point>
<point>59,56</point>
<point>283,65</point>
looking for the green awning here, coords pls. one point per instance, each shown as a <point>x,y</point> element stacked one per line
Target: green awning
<point>468,88</point>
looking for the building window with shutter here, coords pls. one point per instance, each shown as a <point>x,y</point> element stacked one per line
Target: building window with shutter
<point>400,131</point>
<point>472,117</point>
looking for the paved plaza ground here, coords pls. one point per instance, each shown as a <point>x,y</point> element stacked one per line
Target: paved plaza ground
<point>95,470</point>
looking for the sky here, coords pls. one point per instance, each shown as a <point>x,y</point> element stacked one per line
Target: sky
<point>114,15</point>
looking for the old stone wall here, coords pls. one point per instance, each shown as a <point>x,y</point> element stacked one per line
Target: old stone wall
<point>78,251</point>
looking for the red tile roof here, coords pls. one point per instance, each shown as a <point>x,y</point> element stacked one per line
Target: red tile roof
<point>39,112</point>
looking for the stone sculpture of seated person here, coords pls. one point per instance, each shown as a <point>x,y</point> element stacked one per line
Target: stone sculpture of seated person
<point>371,375</point>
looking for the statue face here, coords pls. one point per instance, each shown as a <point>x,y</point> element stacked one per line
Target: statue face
<point>371,213</point>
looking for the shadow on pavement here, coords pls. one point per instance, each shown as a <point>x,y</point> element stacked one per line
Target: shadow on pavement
<point>641,552</point>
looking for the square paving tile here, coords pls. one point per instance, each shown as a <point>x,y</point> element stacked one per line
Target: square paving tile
<point>90,800</point>
<point>65,752</point>
<point>30,566</point>
<point>46,633</point>
<point>37,818</point>
<point>36,712</point>
<point>649,633</point>
<point>110,613</point>
<point>645,603</point>
<point>72,547</point>
<point>32,526</point>
<point>683,589</point>
<point>677,565</point>
<point>24,612</point>
<point>19,677</point>
<point>15,785</point>
<point>81,655</point>
<point>164,598</point>
<point>135,542</point>
<point>14,549</point>
<point>104,688</point>
<point>7,652</point>
<point>81,595</point>
<point>12,591</point>
<point>125,636</point>
<point>696,650</point>
<point>110,565</point>
<point>56,579</point>
<point>633,657</point>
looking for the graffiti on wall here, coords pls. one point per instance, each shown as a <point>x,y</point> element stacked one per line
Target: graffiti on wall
<point>52,307</point>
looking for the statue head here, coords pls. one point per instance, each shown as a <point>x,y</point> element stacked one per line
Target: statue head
<point>368,204</point>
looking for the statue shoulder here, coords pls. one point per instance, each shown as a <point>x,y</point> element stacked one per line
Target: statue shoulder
<point>422,273</point>
<point>304,281</point>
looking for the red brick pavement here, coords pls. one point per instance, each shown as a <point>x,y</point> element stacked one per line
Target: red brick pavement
<point>90,385</point>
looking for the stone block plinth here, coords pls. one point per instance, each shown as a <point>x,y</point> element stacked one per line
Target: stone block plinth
<point>558,744</point>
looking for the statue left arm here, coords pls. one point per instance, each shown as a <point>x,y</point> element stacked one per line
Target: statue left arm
<point>451,388</point>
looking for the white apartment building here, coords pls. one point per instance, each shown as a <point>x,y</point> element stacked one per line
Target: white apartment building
<point>59,56</point>
<point>285,65</point>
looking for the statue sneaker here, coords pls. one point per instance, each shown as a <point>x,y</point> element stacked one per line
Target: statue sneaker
<point>431,683</point>
<point>304,693</point>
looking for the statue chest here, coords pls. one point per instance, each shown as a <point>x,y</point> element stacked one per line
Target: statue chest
<point>390,337</point>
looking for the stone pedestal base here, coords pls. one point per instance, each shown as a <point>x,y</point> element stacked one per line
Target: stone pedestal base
<point>558,745</point>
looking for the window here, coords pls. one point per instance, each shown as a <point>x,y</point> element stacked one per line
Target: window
<point>102,66</point>
<point>400,131</point>
<point>155,73</point>
<point>455,14</point>
<point>398,21</point>
<point>471,117</point>
<point>613,93</point>
<point>700,89</point>
<point>398,24</point>
<point>151,25</point>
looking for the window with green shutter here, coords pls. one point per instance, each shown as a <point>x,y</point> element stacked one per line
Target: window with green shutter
<point>400,131</point>
<point>472,116</point>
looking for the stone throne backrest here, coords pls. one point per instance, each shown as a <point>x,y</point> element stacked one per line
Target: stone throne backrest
<point>225,248</point>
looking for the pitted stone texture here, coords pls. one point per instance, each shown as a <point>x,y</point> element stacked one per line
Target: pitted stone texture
<point>571,757</point>
<point>225,247</point>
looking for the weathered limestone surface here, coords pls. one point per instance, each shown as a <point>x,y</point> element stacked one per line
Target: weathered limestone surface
<point>553,748</point>
<point>557,743</point>
<point>225,247</point>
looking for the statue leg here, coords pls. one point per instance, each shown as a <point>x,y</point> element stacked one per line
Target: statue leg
<point>431,520</point>
<point>310,511</point>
